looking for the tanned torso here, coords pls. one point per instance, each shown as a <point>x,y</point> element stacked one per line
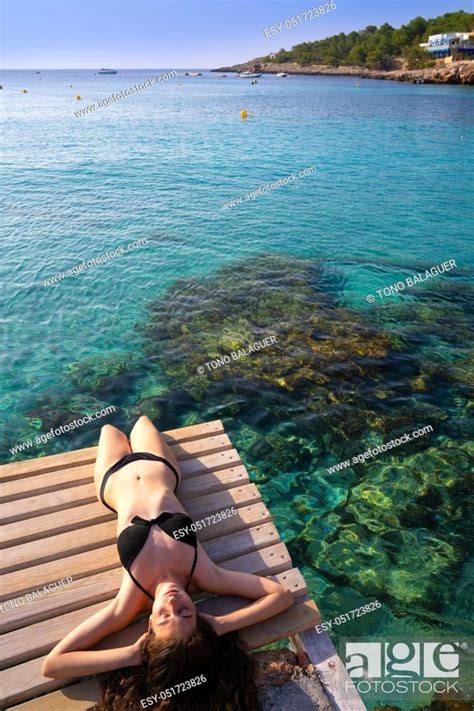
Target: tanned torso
<point>145,489</point>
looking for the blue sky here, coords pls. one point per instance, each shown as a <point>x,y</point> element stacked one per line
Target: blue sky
<point>86,34</point>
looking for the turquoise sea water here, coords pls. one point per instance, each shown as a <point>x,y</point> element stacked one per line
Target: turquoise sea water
<point>391,197</point>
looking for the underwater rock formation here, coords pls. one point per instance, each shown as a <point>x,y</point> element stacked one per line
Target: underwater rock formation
<point>335,381</point>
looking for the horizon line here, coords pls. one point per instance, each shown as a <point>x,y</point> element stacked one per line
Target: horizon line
<point>92,69</point>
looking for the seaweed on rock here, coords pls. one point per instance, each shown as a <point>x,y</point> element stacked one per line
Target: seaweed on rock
<point>335,382</point>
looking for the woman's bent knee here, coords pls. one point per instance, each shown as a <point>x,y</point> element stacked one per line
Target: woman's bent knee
<point>145,420</point>
<point>107,431</point>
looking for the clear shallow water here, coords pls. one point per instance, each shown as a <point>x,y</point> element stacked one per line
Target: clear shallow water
<point>391,196</point>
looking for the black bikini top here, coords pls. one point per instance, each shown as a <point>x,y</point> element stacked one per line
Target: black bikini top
<point>133,538</point>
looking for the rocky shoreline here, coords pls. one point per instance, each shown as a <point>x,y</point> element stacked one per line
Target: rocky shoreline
<point>283,684</point>
<point>455,73</point>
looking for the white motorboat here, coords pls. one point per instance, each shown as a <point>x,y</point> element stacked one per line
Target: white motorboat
<point>282,74</point>
<point>248,75</point>
<point>107,71</point>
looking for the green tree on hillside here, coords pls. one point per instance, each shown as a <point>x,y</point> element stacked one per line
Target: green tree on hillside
<point>378,47</point>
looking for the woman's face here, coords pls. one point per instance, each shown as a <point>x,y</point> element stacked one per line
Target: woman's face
<point>173,613</point>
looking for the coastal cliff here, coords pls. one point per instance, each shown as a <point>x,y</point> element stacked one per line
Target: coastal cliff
<point>454,73</point>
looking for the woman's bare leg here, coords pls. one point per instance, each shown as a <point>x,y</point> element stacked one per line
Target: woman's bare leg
<point>113,445</point>
<point>144,437</point>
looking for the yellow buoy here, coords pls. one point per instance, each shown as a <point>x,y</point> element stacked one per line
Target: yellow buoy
<point>78,97</point>
<point>244,114</point>
<point>24,91</point>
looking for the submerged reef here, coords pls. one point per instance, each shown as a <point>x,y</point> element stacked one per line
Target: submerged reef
<point>334,382</point>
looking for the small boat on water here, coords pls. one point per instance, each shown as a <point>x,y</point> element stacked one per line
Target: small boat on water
<point>193,74</point>
<point>248,75</point>
<point>282,74</point>
<point>107,71</point>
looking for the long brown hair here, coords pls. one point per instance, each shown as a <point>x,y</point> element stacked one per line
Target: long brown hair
<point>228,670</point>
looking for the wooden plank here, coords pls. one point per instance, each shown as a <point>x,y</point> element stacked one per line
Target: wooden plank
<point>248,541</point>
<point>21,487</point>
<point>331,671</point>
<point>75,566</point>
<point>103,586</point>
<point>37,640</point>
<point>56,547</point>
<point>200,447</point>
<point>25,680</point>
<point>292,580</point>
<point>257,532</point>
<point>210,483</point>
<point>31,467</point>
<point>90,537</point>
<point>88,514</point>
<point>204,429</point>
<point>203,506</point>
<point>209,463</point>
<point>79,565</point>
<point>44,504</point>
<point>190,486</point>
<point>28,642</point>
<point>300,617</point>
<point>72,476</point>
<point>83,592</point>
<point>77,697</point>
<point>51,463</point>
<point>53,524</point>
<point>267,561</point>
<point>58,500</point>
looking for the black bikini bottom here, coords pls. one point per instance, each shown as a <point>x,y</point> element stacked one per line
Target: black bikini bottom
<point>133,457</point>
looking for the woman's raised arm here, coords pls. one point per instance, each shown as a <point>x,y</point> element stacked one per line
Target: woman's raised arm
<point>73,656</point>
<point>270,598</point>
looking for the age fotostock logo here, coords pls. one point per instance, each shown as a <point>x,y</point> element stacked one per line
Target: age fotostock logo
<point>398,668</point>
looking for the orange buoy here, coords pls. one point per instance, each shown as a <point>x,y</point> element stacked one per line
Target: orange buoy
<point>78,97</point>
<point>243,114</point>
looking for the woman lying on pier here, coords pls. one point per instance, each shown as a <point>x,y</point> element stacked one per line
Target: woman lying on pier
<point>137,479</point>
